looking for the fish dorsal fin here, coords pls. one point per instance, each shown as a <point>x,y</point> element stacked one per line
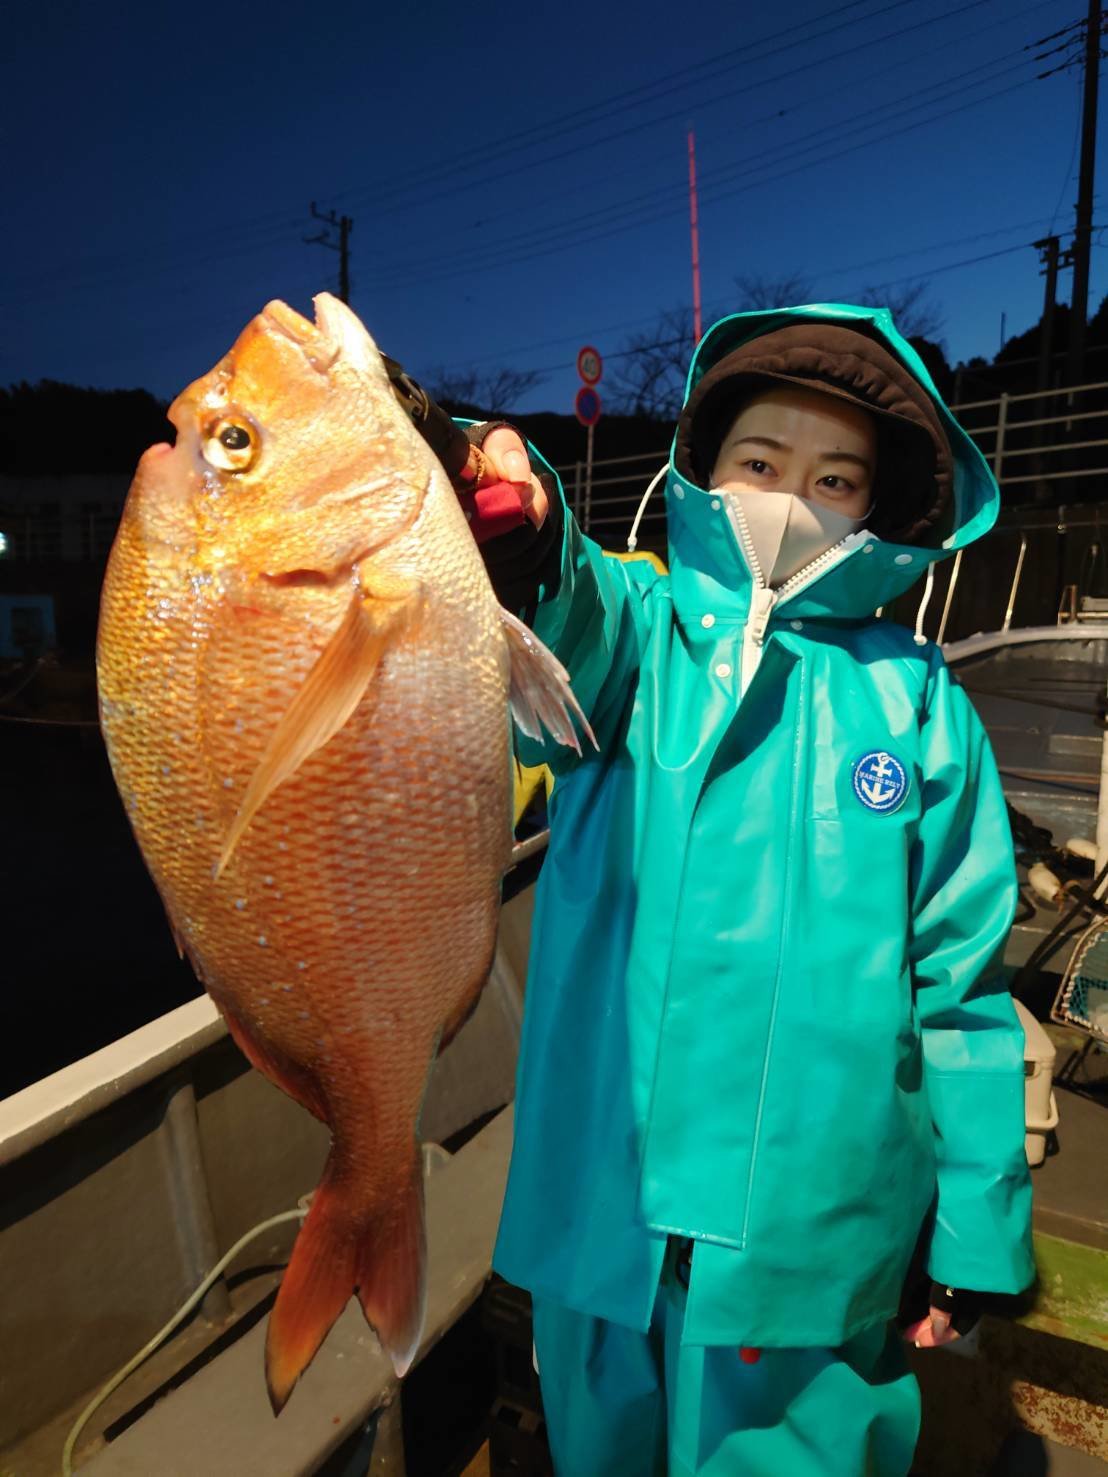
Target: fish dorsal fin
<point>332,690</point>
<point>540,694</point>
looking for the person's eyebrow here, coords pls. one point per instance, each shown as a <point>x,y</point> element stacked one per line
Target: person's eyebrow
<point>847,456</point>
<point>827,456</point>
<point>761,441</point>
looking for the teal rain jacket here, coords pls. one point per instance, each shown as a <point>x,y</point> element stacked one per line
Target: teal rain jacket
<point>762,1012</point>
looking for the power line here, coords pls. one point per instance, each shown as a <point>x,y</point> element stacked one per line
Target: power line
<point>266,221</point>
<point>382,191</point>
<point>152,270</point>
<point>471,183</point>
<point>574,191</point>
<point>723,305</point>
<point>751,163</point>
<point>268,237</point>
<point>498,261</point>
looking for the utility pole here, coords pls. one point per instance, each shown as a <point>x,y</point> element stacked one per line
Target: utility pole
<point>1048,255</point>
<point>344,225</point>
<point>1083,234</point>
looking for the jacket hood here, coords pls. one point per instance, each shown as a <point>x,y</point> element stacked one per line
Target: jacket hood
<point>937,493</point>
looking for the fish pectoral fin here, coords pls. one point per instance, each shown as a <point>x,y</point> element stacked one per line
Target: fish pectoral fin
<point>382,607</point>
<point>540,694</point>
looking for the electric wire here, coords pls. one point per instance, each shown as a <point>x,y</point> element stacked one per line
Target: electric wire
<point>241,245</point>
<point>1073,156</point>
<point>684,338</point>
<point>497,262</point>
<point>163,1333</point>
<point>573,191</point>
<point>638,128</point>
<point>723,305</point>
<point>378,190</point>
<point>380,193</point>
<point>287,234</point>
<point>751,163</point>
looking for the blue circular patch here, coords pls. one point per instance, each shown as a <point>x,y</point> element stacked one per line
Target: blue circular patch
<point>880,781</point>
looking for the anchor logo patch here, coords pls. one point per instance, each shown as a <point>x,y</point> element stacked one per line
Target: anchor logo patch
<point>880,781</point>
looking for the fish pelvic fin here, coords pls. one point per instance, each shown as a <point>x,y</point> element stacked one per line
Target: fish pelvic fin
<point>377,615</point>
<point>392,1271</point>
<point>295,1080</point>
<point>540,694</point>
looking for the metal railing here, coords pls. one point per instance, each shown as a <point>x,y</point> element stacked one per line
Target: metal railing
<point>1019,428</point>
<point>1052,562</point>
<point>1033,447</point>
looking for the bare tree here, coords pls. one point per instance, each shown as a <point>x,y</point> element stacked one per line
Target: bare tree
<point>491,389</point>
<point>914,312</point>
<point>653,364</point>
<point>648,373</point>
<point>756,291</point>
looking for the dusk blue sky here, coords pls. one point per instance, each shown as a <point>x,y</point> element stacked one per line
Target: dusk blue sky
<point>517,175</point>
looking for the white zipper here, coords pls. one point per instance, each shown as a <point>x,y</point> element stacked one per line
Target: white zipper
<point>763,600</point>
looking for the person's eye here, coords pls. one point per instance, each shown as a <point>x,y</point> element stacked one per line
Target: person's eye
<point>759,468</point>
<point>837,484</point>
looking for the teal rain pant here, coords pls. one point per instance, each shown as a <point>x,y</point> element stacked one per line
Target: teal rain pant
<point>620,1403</point>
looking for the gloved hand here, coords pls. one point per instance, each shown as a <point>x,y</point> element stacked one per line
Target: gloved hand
<point>952,1313</point>
<point>515,519</point>
<point>496,488</point>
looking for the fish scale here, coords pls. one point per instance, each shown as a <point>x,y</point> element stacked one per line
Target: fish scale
<point>304,681</point>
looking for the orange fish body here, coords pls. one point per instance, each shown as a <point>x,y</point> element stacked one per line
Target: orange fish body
<point>297,639</point>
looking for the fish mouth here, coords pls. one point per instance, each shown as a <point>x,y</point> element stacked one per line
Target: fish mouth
<point>321,350</point>
<point>336,333</point>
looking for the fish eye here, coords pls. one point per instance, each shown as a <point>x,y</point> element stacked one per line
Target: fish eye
<point>231,445</point>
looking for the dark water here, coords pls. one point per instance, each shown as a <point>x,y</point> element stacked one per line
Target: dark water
<point>87,954</point>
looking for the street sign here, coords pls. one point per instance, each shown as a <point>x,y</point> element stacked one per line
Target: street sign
<point>590,366</point>
<point>587,406</point>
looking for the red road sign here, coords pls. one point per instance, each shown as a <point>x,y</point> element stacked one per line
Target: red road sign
<point>587,406</point>
<point>590,366</point>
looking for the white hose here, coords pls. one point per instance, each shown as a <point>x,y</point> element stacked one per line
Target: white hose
<point>163,1333</point>
<point>920,638</point>
<point>633,536</point>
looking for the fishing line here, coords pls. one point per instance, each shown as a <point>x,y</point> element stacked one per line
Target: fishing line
<point>163,1333</point>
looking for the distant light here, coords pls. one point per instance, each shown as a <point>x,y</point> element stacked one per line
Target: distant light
<point>3,544</point>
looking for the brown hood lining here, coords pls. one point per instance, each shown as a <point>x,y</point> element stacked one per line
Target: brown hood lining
<point>913,490</point>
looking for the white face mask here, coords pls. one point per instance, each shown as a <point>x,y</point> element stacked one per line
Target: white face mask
<point>788,532</point>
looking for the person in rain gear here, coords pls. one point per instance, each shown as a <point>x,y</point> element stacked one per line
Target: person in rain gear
<point>766,1041</point>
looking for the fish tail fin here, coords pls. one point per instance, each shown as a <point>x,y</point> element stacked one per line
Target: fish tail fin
<point>392,1271</point>
<point>317,1285</point>
<point>340,1250</point>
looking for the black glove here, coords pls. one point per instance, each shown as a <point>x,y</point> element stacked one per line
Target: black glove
<point>447,440</point>
<point>963,1307</point>
<point>526,559</point>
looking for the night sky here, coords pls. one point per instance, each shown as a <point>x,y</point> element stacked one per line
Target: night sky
<point>517,175</point>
